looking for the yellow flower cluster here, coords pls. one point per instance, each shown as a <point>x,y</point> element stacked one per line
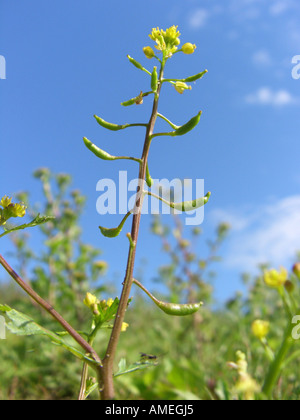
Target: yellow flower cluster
<point>167,41</point>
<point>100,307</point>
<point>10,209</point>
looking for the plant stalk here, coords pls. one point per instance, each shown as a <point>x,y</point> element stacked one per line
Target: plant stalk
<point>276,365</point>
<point>107,386</point>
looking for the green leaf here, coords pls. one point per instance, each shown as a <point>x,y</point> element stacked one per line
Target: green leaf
<point>38,220</point>
<point>124,369</point>
<point>21,324</point>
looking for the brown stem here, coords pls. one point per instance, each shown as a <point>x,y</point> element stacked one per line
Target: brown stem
<point>107,386</point>
<point>77,337</point>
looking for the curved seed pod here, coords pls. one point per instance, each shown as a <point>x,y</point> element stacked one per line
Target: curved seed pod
<point>137,64</point>
<point>129,102</point>
<point>110,126</point>
<point>195,77</point>
<point>154,79</point>
<point>177,309</point>
<point>192,204</point>
<point>97,151</point>
<point>104,155</point>
<point>185,128</point>
<point>185,205</point>
<point>149,180</point>
<point>113,232</point>
<point>136,100</point>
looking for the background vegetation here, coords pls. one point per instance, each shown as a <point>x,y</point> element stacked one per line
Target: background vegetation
<point>190,358</point>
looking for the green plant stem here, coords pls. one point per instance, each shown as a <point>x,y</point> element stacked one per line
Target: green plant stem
<point>276,365</point>
<point>107,385</point>
<point>45,305</point>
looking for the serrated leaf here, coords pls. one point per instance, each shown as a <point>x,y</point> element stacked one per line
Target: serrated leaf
<point>22,325</point>
<point>123,369</point>
<point>38,220</point>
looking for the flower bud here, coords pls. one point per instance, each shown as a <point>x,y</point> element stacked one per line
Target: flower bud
<point>90,300</point>
<point>149,53</point>
<point>188,48</point>
<point>260,328</point>
<point>296,269</point>
<point>181,87</point>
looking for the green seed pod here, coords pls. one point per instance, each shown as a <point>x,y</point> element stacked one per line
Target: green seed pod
<point>113,232</point>
<point>185,205</point>
<point>129,102</point>
<point>195,77</point>
<point>154,79</point>
<point>97,151</point>
<point>110,126</point>
<point>188,126</point>
<point>137,64</point>
<point>192,204</point>
<point>176,309</point>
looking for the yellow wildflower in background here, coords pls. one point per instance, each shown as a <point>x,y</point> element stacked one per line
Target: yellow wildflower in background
<point>274,278</point>
<point>245,384</point>
<point>260,328</point>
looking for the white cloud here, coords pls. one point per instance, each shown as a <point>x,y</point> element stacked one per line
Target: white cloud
<point>280,6</point>
<point>198,18</point>
<point>269,233</point>
<point>267,96</point>
<point>262,58</point>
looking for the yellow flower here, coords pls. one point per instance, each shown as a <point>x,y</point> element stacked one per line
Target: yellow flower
<point>109,302</point>
<point>17,210</point>
<point>90,300</point>
<point>188,48</point>
<point>124,327</point>
<point>100,265</point>
<point>167,41</point>
<point>181,87</point>
<point>5,201</point>
<point>260,328</point>
<point>148,51</point>
<point>274,278</point>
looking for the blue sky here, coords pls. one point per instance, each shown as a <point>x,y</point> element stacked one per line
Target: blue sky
<point>66,61</point>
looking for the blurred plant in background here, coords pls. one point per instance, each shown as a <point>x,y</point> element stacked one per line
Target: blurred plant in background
<point>64,270</point>
<point>242,350</point>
